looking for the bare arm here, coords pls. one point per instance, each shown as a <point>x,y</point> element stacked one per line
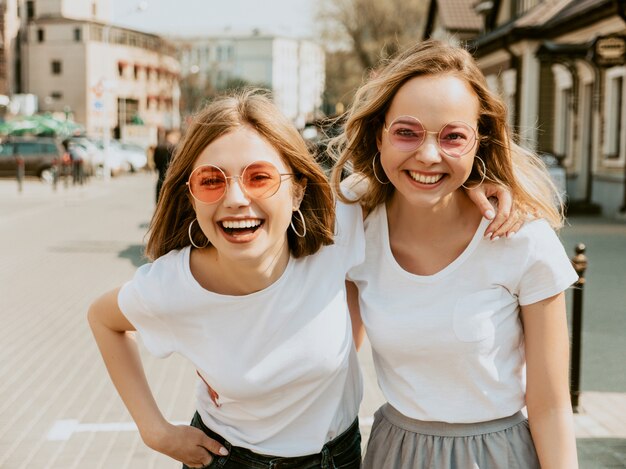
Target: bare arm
<point>121,357</point>
<point>547,394</point>
<point>358,330</point>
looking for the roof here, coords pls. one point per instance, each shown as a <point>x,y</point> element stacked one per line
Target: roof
<point>548,19</point>
<point>459,15</point>
<point>543,12</point>
<point>63,19</point>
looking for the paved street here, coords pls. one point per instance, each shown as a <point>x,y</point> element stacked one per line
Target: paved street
<point>58,409</point>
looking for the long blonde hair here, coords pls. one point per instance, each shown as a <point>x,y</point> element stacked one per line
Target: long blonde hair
<point>174,212</point>
<point>506,162</point>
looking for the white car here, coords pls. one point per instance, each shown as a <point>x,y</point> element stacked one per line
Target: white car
<point>133,155</point>
<point>122,157</point>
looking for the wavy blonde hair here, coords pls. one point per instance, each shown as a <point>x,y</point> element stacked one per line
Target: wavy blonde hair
<point>174,211</point>
<point>506,162</point>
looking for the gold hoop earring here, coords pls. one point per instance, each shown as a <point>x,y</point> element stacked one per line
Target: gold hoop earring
<point>374,169</point>
<point>483,173</point>
<point>191,239</point>
<point>303,225</point>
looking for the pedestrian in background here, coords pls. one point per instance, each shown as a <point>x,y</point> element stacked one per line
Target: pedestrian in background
<point>76,161</point>
<point>465,331</point>
<point>163,154</point>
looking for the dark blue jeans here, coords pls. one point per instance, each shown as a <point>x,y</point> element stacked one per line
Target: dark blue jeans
<point>343,452</point>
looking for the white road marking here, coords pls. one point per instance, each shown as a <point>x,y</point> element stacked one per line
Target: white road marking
<point>63,429</point>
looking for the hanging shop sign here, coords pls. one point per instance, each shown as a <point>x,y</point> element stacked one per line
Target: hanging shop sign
<point>609,51</point>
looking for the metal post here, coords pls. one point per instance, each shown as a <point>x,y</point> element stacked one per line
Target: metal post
<point>20,172</point>
<point>55,174</point>
<point>579,261</point>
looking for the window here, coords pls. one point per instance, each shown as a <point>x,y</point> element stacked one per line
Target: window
<point>619,115</point>
<point>30,9</point>
<point>120,69</point>
<point>28,148</point>
<point>40,35</point>
<point>77,35</point>
<point>563,132</point>
<point>49,148</point>
<point>563,122</point>
<point>57,69</point>
<point>6,149</point>
<point>136,71</point>
<point>94,9</point>
<point>614,133</point>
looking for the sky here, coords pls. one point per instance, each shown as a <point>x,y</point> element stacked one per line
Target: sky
<point>195,17</point>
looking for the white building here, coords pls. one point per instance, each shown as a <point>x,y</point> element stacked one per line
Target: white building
<point>292,68</point>
<point>111,79</point>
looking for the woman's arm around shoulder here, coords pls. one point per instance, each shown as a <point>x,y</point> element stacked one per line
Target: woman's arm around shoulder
<point>547,390</point>
<point>119,351</point>
<point>507,220</point>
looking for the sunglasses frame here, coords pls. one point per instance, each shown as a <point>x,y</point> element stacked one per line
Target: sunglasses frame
<point>241,184</point>
<point>438,133</point>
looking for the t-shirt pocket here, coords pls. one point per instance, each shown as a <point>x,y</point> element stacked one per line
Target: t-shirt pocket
<point>474,315</point>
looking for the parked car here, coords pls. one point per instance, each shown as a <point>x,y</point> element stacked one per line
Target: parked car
<point>122,157</point>
<point>93,154</point>
<point>134,155</point>
<point>40,154</point>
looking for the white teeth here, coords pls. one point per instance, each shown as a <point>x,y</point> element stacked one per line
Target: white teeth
<point>241,223</point>
<point>425,179</point>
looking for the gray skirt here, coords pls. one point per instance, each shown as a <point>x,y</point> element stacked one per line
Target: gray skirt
<point>399,442</point>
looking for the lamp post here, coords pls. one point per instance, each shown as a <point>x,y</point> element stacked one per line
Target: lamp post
<point>108,86</point>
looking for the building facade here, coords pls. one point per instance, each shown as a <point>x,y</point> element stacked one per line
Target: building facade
<point>560,66</point>
<point>112,80</point>
<point>292,68</point>
<point>10,26</point>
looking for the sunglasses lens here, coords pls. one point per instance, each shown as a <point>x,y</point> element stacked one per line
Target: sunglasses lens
<point>207,183</point>
<point>261,180</point>
<point>457,139</point>
<point>406,133</point>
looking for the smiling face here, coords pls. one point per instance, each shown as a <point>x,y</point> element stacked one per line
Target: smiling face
<point>238,226</point>
<point>428,175</point>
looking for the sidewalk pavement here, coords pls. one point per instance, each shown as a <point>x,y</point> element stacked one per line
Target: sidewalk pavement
<point>58,409</point>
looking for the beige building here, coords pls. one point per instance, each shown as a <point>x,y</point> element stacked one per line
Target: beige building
<point>111,79</point>
<point>560,66</point>
<point>10,24</point>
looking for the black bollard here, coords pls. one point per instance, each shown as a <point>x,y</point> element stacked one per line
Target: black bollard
<point>20,172</point>
<point>579,261</point>
<point>55,174</point>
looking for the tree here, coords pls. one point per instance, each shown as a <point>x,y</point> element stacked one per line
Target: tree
<point>194,93</point>
<point>360,33</point>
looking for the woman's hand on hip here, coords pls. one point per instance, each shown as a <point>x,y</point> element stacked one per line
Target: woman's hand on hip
<point>186,444</point>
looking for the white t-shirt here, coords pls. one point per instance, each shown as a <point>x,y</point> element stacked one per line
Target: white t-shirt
<point>449,347</point>
<point>282,360</point>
